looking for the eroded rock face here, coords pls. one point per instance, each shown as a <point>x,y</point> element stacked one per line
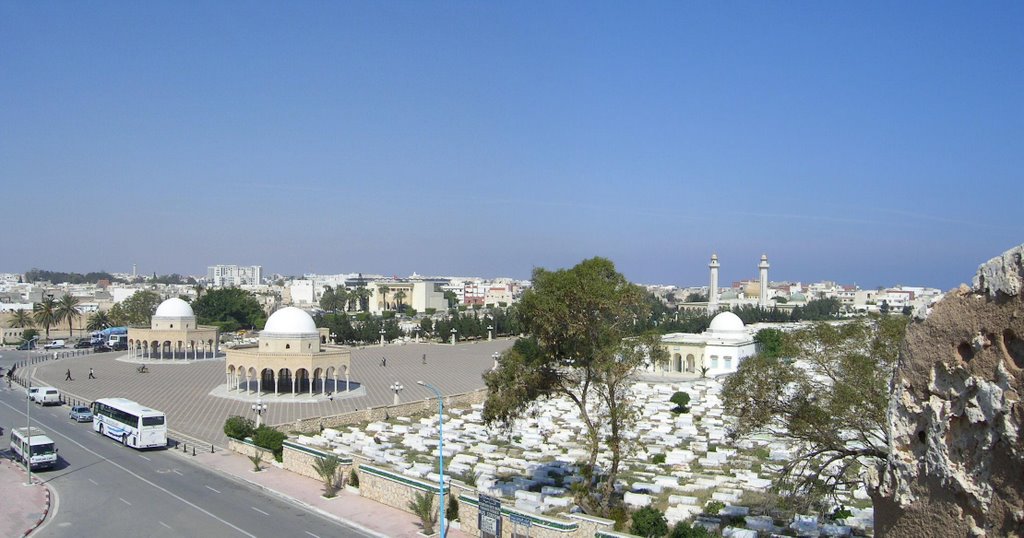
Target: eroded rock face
<point>956,463</point>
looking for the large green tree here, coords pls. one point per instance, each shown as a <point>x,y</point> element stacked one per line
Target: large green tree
<point>826,388</point>
<point>230,309</point>
<point>582,346</point>
<point>67,310</point>
<point>137,310</point>
<point>98,321</point>
<point>22,319</point>
<point>45,314</point>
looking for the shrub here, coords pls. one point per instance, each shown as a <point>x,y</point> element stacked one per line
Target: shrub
<point>256,460</point>
<point>423,506</point>
<point>237,427</point>
<point>353,478</point>
<point>452,513</point>
<point>713,508</point>
<point>684,530</point>
<point>649,521</point>
<point>270,439</point>
<point>658,459</point>
<point>681,399</point>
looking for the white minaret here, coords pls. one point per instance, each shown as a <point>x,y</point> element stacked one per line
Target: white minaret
<point>762,267</point>
<point>134,272</point>
<point>713,288</point>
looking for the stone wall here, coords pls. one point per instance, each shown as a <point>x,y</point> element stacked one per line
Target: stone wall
<point>246,448</point>
<point>563,526</point>
<point>956,462</point>
<point>313,425</point>
<point>299,460</point>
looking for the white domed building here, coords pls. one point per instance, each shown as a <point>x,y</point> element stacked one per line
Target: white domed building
<point>720,349</point>
<point>173,334</point>
<point>289,358</point>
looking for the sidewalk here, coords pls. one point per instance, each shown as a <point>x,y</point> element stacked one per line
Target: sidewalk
<point>22,508</point>
<point>369,516</point>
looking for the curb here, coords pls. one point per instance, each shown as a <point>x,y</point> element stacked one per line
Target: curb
<point>46,507</point>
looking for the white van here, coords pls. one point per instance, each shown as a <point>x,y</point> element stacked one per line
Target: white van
<point>47,396</point>
<point>43,452</point>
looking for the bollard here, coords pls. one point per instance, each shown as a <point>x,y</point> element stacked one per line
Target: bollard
<point>184,447</point>
<point>211,449</point>
<point>193,450</point>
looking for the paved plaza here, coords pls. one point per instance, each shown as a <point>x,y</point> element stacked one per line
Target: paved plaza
<point>183,389</point>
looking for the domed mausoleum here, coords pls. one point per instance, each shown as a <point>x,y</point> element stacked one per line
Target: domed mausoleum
<point>289,358</point>
<point>719,349</point>
<point>173,334</point>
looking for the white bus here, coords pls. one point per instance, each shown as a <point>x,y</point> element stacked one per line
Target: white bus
<point>33,443</point>
<point>129,422</point>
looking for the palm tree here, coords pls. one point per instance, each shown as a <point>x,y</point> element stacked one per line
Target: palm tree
<point>22,319</point>
<point>67,310</point>
<point>327,468</point>
<point>363,295</point>
<point>384,289</point>
<point>423,506</point>
<point>98,321</point>
<point>399,297</point>
<point>341,296</point>
<point>45,314</point>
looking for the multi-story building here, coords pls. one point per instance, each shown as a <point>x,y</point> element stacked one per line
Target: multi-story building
<point>223,276</point>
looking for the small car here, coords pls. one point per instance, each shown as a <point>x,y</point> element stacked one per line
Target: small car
<point>83,344</point>
<point>56,344</point>
<point>81,413</point>
<point>31,344</point>
<point>100,348</point>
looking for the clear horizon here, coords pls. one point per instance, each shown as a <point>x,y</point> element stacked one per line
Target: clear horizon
<point>875,144</point>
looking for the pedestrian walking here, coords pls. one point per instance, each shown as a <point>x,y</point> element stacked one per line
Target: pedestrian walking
<point>385,362</point>
<point>67,377</point>
<point>90,374</point>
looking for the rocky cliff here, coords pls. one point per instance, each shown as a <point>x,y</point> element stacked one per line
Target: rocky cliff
<point>956,463</point>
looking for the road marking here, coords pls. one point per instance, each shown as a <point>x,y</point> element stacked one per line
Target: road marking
<point>177,472</point>
<point>311,534</point>
<point>211,489</point>
<point>260,511</point>
<point>164,524</point>
<point>144,457</point>
<point>143,480</point>
<point>95,483</point>
<point>126,502</point>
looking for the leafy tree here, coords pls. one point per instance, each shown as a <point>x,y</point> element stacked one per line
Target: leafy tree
<point>696,297</point>
<point>67,310</point>
<point>39,275</point>
<point>423,506</point>
<point>238,427</point>
<point>98,321</point>
<point>770,343</point>
<point>681,399</point>
<point>45,314</point>
<point>270,439</point>
<point>831,401</point>
<point>650,522</point>
<point>712,508</point>
<point>28,334</point>
<point>136,310</point>
<point>230,309</point>
<point>684,530</point>
<point>580,321</point>
<point>22,319</point>
<point>451,297</point>
<point>328,301</point>
<point>326,468</point>
<point>884,309</point>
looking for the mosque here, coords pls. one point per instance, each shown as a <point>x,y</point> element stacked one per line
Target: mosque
<point>290,358</point>
<point>173,334</point>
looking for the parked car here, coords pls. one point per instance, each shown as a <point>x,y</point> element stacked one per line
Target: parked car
<point>81,413</point>
<point>47,396</point>
<point>31,393</point>
<point>100,348</point>
<point>31,344</point>
<point>56,344</point>
<point>83,344</point>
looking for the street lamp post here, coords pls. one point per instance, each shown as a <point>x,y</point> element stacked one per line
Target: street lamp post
<point>396,387</point>
<point>454,332</point>
<point>490,333</point>
<point>259,408</point>
<point>28,413</point>
<point>382,336</point>
<point>440,451</point>
<point>495,356</point>
<point>334,338</point>
<point>416,331</point>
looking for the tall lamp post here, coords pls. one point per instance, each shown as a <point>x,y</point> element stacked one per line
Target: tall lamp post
<point>396,387</point>
<point>382,336</point>
<point>416,331</point>
<point>28,413</point>
<point>259,408</point>
<point>454,332</point>
<point>440,451</point>
<point>490,333</point>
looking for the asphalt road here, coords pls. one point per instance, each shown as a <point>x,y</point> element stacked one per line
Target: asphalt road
<point>107,490</point>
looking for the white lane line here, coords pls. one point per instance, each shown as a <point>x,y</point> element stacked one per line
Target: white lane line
<point>177,472</point>
<point>311,534</point>
<point>260,511</point>
<point>95,483</point>
<point>211,489</point>
<point>164,524</point>
<point>143,480</point>
<point>144,457</point>
<point>124,501</point>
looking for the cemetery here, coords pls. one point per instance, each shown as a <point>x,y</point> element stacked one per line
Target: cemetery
<point>684,463</point>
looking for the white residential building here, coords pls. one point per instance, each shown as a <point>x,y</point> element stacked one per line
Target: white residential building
<point>223,276</point>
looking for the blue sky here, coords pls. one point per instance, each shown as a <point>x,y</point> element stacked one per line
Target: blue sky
<point>869,143</point>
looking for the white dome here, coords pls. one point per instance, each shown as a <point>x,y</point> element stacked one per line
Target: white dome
<point>290,321</point>
<point>174,308</point>
<point>726,322</point>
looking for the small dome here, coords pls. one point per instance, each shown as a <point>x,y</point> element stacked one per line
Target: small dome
<point>174,308</point>
<point>726,322</point>
<point>290,321</point>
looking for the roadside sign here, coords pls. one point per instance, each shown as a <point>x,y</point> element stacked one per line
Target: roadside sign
<point>489,516</point>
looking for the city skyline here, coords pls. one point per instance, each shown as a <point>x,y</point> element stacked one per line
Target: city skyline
<point>870,144</point>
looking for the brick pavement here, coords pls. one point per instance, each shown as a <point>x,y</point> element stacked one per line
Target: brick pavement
<point>182,389</point>
<point>22,508</point>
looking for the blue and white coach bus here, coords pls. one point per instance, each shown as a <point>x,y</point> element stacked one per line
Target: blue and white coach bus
<point>129,422</point>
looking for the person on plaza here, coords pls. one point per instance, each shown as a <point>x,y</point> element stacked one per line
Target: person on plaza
<point>67,377</point>
<point>424,358</point>
<point>90,374</point>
